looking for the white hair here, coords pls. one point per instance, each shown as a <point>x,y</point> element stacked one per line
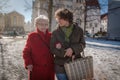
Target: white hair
<point>40,17</point>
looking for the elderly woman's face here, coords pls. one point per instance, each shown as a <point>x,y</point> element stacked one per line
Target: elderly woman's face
<point>42,25</point>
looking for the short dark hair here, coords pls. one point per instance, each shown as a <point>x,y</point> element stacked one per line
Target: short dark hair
<point>65,14</point>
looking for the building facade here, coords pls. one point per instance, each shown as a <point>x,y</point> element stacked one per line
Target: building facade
<point>2,22</point>
<point>114,19</point>
<point>12,22</point>
<point>27,27</point>
<point>104,21</point>
<point>88,17</point>
<point>93,24</point>
<point>76,6</point>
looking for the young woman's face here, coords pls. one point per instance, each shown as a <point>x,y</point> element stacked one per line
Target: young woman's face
<point>62,22</point>
<point>42,25</point>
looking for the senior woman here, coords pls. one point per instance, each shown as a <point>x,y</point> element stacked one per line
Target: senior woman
<point>37,57</point>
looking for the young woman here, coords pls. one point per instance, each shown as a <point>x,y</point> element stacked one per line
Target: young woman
<point>66,41</point>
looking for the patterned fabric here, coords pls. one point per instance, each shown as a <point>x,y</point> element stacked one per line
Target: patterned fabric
<point>80,69</point>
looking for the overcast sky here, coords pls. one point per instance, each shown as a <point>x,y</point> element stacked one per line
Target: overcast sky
<point>19,6</point>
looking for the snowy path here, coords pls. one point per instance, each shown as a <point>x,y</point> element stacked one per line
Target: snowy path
<point>106,62</point>
<point>106,55</point>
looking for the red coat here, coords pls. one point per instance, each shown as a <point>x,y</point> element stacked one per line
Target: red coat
<point>37,53</point>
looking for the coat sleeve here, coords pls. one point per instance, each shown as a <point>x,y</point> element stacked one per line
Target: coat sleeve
<point>27,53</point>
<point>54,50</point>
<point>79,47</point>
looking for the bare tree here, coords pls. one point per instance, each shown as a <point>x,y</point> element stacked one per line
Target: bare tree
<point>3,5</point>
<point>48,10</point>
<point>27,5</point>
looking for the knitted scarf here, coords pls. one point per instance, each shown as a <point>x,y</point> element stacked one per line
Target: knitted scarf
<point>67,31</point>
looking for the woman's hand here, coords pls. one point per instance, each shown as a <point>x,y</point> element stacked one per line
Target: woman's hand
<point>58,45</point>
<point>30,67</point>
<point>69,52</point>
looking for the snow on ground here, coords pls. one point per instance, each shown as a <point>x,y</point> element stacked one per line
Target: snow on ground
<point>106,56</point>
<point>13,68</point>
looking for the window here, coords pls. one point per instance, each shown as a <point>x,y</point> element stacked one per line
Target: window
<point>90,25</point>
<point>96,25</point>
<point>14,20</point>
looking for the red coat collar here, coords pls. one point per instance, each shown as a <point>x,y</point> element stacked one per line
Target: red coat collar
<point>43,35</point>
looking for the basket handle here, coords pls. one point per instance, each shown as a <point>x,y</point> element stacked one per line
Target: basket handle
<point>82,53</point>
<point>73,57</point>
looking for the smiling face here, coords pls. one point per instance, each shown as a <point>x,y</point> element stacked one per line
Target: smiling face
<point>64,17</point>
<point>42,25</point>
<point>62,22</point>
